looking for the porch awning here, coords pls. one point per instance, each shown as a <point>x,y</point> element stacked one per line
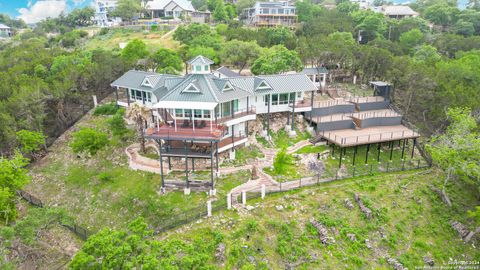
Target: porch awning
<point>185,105</point>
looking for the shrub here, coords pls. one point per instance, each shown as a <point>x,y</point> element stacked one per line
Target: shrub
<point>117,125</point>
<point>106,109</point>
<point>103,31</point>
<point>153,27</point>
<point>105,177</point>
<point>282,162</point>
<point>89,140</point>
<point>30,141</point>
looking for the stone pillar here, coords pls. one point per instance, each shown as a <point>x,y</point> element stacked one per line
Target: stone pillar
<point>244,198</point>
<point>95,102</point>
<point>229,201</point>
<point>263,191</point>
<point>209,208</point>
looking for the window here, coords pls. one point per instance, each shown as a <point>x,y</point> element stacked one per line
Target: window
<point>206,114</point>
<point>206,68</point>
<point>283,99</point>
<point>217,111</point>
<point>292,96</point>
<point>226,109</point>
<point>178,112</point>
<point>274,99</point>
<point>198,113</point>
<point>235,105</point>
<point>198,68</point>
<point>266,99</point>
<point>149,97</point>
<point>299,94</point>
<point>188,113</point>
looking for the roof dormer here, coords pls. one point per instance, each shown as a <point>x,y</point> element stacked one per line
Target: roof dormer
<point>200,65</point>
<point>191,88</point>
<point>227,87</point>
<point>263,85</point>
<point>146,82</point>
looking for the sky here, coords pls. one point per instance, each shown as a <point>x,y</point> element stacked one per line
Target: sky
<point>33,11</point>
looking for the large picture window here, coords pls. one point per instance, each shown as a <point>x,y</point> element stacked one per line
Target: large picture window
<point>178,112</point>
<point>198,113</point>
<point>206,114</point>
<point>275,99</point>
<point>283,99</point>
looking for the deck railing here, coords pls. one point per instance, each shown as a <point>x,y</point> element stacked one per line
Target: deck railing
<point>240,113</point>
<point>365,99</point>
<point>375,114</point>
<point>367,138</point>
<point>215,132</point>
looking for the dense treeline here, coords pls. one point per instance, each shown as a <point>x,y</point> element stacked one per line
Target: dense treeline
<point>46,88</point>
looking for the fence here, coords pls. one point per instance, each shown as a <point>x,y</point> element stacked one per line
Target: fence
<point>76,229</point>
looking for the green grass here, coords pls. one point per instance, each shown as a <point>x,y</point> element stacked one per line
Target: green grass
<point>311,149</point>
<point>243,156</point>
<point>281,139</point>
<point>103,191</point>
<point>112,39</point>
<point>412,218</point>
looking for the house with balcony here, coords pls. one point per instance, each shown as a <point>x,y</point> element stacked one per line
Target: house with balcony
<point>270,14</point>
<point>172,9</point>
<point>102,8</point>
<point>199,115</point>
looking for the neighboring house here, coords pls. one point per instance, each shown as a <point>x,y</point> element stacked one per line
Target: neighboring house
<point>200,16</point>
<point>200,115</point>
<point>270,14</point>
<point>102,8</point>
<point>170,9</point>
<point>224,72</point>
<point>398,12</point>
<point>317,75</point>
<point>5,31</point>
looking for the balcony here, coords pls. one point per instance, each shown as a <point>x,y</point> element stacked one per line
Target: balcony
<point>303,105</point>
<point>240,116</point>
<point>188,130</point>
<point>198,149</point>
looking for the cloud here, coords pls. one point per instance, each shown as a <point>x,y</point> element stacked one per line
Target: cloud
<point>42,9</point>
<point>78,2</point>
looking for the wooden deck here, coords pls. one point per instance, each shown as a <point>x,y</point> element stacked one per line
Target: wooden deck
<point>329,118</point>
<point>197,149</point>
<point>169,132</point>
<point>352,137</point>
<point>375,114</point>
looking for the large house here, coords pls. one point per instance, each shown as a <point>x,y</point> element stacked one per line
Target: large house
<point>199,115</point>
<point>173,9</point>
<point>5,31</point>
<point>102,8</point>
<point>270,14</point>
<point>398,11</point>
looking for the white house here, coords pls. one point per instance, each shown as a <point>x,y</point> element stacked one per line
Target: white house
<point>102,8</point>
<point>168,8</point>
<point>5,31</point>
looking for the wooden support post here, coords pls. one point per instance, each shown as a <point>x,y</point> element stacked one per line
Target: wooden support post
<point>391,150</point>
<point>116,96</point>
<point>403,147</point>
<point>413,146</point>
<point>128,96</point>
<point>333,150</point>
<point>366,154</point>
<point>216,155</point>
<point>311,105</point>
<point>354,155</point>
<point>293,111</point>
<point>211,165</point>
<point>161,163</point>
<point>268,114</point>
<point>341,157</point>
<point>378,152</point>
<point>193,164</point>
<point>186,164</point>
<point>169,163</point>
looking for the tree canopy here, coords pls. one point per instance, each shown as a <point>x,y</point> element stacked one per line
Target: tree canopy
<point>277,59</point>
